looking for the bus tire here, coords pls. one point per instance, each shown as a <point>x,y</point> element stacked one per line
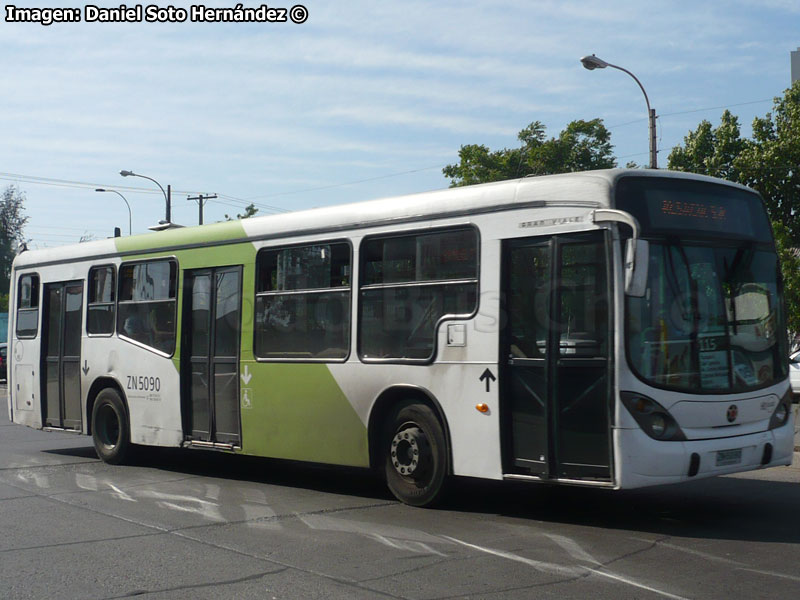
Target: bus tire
<point>110,429</point>
<point>415,456</point>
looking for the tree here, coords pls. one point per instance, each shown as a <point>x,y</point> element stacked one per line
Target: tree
<point>249,211</point>
<point>581,146</point>
<point>771,163</point>
<point>768,162</point>
<point>789,258</point>
<point>12,223</point>
<point>713,152</point>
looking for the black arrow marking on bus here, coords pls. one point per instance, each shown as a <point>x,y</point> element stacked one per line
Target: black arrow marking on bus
<point>489,377</point>
<point>85,367</point>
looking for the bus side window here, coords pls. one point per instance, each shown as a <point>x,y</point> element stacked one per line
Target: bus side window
<point>101,306</point>
<point>409,282</point>
<point>28,306</point>
<point>303,302</point>
<point>147,303</point>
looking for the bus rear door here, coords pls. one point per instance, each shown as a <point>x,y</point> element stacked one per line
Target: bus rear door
<point>61,354</point>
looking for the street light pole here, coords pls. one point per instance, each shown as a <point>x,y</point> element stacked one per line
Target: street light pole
<point>591,63</point>
<point>130,218</point>
<point>167,196</point>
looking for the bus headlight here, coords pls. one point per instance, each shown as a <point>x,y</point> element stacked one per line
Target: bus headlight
<point>658,425</point>
<point>653,418</point>
<point>781,413</point>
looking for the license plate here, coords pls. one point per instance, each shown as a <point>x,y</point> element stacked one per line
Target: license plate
<point>729,457</point>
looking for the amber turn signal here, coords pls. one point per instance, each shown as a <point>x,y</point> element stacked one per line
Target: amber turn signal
<point>484,408</point>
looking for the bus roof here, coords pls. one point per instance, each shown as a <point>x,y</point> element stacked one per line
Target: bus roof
<point>587,188</point>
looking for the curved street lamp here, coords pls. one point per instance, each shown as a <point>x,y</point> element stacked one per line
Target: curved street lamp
<point>591,63</point>
<point>130,228</point>
<point>166,195</point>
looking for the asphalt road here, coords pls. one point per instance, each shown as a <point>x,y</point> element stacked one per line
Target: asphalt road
<point>206,525</point>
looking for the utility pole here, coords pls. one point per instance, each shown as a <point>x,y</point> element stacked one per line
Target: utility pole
<point>201,200</point>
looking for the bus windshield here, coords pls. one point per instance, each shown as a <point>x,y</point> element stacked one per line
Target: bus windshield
<point>711,320</point>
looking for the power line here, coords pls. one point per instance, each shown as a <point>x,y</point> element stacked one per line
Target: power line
<point>695,110</point>
<point>66,183</point>
<point>37,180</point>
<point>335,185</point>
<point>246,202</point>
<point>37,227</point>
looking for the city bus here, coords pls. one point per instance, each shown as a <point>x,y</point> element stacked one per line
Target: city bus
<point>614,329</point>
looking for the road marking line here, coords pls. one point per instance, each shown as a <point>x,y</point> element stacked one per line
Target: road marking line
<point>737,564</point>
<point>118,493</point>
<point>561,570</point>
<point>573,548</point>
<point>536,564</point>
<point>411,546</point>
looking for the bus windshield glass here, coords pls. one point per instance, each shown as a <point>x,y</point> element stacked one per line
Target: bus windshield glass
<point>712,315</point>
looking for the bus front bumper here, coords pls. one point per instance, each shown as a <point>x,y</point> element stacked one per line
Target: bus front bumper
<point>643,461</point>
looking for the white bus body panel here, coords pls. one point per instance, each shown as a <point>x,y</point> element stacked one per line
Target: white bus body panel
<point>643,461</point>
<point>155,415</point>
<point>149,381</point>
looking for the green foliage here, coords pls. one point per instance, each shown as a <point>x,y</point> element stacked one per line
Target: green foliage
<point>768,162</point>
<point>3,302</point>
<point>710,151</point>
<point>583,145</point>
<point>12,223</point>
<point>789,257</point>
<point>249,211</point>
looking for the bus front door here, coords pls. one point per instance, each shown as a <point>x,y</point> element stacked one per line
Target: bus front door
<point>61,354</point>
<point>555,375</point>
<point>211,340</point>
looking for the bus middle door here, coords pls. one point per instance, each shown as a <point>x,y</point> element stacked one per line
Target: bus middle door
<point>211,341</point>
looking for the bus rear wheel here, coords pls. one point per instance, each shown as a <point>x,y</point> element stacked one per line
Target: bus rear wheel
<point>416,456</point>
<point>110,430</point>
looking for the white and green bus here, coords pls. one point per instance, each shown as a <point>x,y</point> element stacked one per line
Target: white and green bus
<point>617,329</point>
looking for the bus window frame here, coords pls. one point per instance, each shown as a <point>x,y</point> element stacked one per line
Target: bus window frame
<point>256,294</point>
<point>114,303</point>
<point>18,308</point>
<point>425,283</point>
<point>168,259</point>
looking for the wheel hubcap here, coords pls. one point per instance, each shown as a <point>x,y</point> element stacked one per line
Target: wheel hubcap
<point>409,451</point>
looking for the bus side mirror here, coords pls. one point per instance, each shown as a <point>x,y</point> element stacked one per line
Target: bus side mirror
<point>637,260</point>
<point>637,251</point>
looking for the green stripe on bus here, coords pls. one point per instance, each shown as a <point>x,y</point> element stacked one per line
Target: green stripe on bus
<point>299,412</point>
<point>215,232</point>
<point>288,410</point>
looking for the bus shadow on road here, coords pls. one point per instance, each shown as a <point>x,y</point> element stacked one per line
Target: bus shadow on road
<point>348,481</point>
<point>727,508</point>
<point>82,452</point>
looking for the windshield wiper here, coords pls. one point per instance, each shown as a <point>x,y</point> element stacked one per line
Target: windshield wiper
<point>676,286</point>
<point>733,271</point>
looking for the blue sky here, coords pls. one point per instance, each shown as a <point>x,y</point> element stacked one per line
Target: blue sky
<point>363,100</point>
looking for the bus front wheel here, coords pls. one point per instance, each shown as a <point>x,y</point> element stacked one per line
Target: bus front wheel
<point>416,456</point>
<point>110,431</point>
